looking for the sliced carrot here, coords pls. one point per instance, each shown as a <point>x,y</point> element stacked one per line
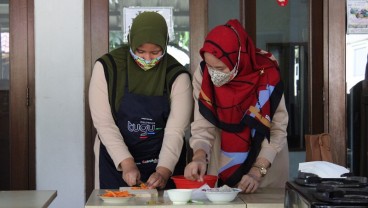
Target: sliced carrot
<point>141,186</point>
<point>144,186</point>
<point>109,193</point>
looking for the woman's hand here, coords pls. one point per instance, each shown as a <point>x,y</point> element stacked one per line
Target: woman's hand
<point>196,169</point>
<point>130,170</point>
<point>250,182</point>
<point>159,178</point>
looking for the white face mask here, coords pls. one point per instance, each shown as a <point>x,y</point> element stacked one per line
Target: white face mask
<point>220,78</point>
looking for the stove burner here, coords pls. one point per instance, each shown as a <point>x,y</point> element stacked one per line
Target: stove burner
<point>343,196</point>
<point>312,180</point>
<point>326,195</point>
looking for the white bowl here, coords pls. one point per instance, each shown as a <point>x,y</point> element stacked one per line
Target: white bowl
<point>180,196</point>
<point>217,195</point>
<point>116,199</point>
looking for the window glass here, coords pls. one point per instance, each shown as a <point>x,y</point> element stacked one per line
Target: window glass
<point>179,39</point>
<point>4,97</point>
<point>220,11</point>
<point>284,31</point>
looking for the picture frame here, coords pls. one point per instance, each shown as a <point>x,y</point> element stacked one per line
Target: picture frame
<point>357,17</point>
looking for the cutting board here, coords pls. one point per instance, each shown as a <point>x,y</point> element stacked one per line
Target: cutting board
<point>141,192</point>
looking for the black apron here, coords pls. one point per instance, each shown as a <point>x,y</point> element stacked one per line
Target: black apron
<point>142,121</point>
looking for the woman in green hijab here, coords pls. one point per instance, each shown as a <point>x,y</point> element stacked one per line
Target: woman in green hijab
<point>141,103</point>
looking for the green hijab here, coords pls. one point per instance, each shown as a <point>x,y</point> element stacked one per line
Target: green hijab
<point>148,27</point>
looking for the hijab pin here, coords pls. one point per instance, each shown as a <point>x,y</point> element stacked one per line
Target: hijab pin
<point>261,71</point>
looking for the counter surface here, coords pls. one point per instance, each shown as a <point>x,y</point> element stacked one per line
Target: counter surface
<point>27,198</point>
<point>267,197</point>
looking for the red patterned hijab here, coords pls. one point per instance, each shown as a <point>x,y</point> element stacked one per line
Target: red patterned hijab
<point>242,108</point>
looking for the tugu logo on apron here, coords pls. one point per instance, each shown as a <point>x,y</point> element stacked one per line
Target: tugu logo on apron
<point>145,127</point>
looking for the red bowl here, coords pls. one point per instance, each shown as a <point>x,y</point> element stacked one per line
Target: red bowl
<point>182,183</point>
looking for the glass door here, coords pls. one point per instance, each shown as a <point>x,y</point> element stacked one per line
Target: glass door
<point>17,110</point>
<point>284,32</point>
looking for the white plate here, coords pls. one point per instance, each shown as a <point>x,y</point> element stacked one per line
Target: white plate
<point>116,199</point>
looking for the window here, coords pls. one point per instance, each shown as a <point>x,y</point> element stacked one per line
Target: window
<point>179,37</point>
<point>284,32</point>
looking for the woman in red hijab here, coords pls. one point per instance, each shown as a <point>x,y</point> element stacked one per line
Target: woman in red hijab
<point>240,118</point>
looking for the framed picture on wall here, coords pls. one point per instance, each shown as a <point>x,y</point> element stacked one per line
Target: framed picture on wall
<point>357,16</point>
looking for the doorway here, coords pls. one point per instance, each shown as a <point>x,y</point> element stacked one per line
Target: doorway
<point>356,83</point>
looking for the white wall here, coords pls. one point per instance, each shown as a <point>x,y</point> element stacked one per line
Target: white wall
<point>356,59</point>
<point>60,100</point>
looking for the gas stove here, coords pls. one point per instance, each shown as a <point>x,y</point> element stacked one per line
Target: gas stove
<point>308,190</point>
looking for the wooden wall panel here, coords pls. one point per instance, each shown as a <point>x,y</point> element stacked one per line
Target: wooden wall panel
<point>22,138</point>
<point>198,21</point>
<point>336,88</point>
<point>31,96</point>
<point>96,43</point>
<point>315,86</point>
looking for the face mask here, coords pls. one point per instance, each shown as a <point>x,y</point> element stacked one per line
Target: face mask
<point>220,78</point>
<point>143,63</point>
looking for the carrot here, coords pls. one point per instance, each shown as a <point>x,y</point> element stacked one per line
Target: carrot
<point>144,186</point>
<point>141,186</point>
<point>109,193</point>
